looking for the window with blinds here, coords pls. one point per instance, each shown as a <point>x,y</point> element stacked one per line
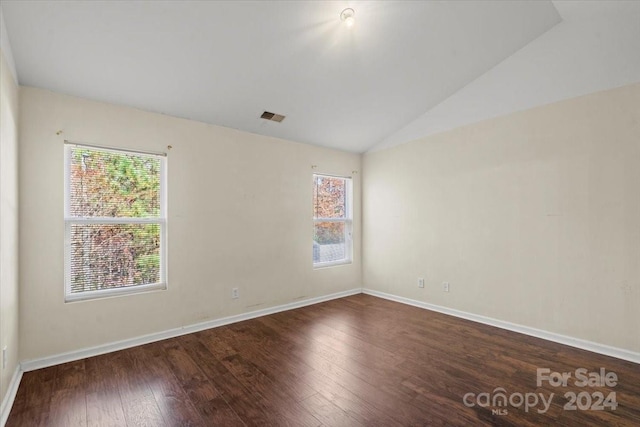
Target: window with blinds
<point>333,218</point>
<point>115,222</point>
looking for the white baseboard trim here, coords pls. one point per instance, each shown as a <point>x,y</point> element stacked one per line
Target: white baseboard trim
<point>7,402</point>
<point>30,365</point>
<point>619,353</point>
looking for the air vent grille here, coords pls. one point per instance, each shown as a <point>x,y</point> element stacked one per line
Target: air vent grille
<point>272,117</point>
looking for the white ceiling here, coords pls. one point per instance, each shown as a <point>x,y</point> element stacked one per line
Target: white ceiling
<point>404,71</point>
<point>595,47</point>
<point>226,62</point>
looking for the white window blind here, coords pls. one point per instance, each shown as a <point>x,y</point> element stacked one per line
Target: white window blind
<point>115,221</point>
<point>333,218</point>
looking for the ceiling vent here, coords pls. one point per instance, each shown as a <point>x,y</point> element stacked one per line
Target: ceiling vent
<point>272,116</point>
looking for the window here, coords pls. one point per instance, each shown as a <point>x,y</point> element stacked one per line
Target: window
<point>115,222</point>
<point>332,217</point>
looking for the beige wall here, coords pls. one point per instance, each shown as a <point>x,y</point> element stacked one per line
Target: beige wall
<point>239,216</point>
<point>8,222</point>
<point>533,218</point>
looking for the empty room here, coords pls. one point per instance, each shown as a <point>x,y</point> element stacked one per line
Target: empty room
<point>319,213</point>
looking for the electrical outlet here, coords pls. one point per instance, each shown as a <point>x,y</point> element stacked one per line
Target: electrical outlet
<point>420,282</point>
<point>445,286</point>
<point>235,293</point>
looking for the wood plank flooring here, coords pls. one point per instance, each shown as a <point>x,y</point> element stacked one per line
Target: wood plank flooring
<point>356,361</point>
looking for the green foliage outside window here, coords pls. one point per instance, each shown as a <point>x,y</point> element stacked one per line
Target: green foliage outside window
<point>109,184</point>
<point>329,201</point>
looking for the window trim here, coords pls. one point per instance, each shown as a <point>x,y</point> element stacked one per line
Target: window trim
<point>69,220</point>
<point>348,223</point>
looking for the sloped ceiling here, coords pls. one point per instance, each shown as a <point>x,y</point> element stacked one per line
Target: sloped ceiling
<point>226,62</point>
<point>595,47</point>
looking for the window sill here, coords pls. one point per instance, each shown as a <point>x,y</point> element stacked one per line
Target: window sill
<point>321,265</point>
<point>114,292</point>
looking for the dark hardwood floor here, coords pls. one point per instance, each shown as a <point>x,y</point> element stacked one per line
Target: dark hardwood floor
<point>355,361</point>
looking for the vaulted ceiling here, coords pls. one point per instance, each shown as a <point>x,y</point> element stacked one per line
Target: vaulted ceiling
<point>225,63</point>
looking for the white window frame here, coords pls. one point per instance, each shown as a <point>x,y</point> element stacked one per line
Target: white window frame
<point>71,220</point>
<point>348,222</point>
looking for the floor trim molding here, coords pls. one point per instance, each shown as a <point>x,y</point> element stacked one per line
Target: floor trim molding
<point>10,397</point>
<point>538,333</point>
<point>30,365</point>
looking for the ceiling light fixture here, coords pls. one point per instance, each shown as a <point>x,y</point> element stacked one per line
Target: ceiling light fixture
<point>348,16</point>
